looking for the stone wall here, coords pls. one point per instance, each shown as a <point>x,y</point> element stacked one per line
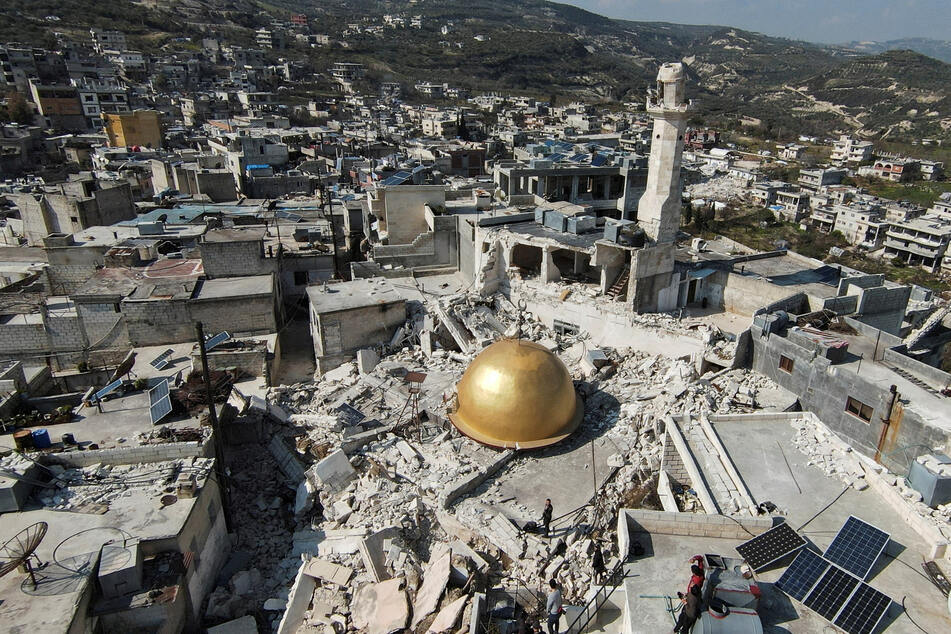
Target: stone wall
<point>132,455</point>
<point>235,314</point>
<point>156,322</point>
<point>71,267</point>
<point>227,259</point>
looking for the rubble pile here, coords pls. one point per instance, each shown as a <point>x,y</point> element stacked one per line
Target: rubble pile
<point>263,524</point>
<point>828,453</point>
<point>719,188</point>
<point>98,484</point>
<point>836,458</point>
<point>373,503</point>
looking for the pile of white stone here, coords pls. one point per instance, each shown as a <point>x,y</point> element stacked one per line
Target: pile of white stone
<point>72,488</point>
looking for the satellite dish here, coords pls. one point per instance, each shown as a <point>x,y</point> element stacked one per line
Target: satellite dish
<point>21,548</point>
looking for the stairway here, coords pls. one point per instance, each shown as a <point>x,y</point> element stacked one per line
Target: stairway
<point>590,610</point>
<point>618,290</point>
<point>936,317</point>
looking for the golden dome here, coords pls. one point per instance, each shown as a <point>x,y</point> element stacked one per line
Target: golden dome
<point>517,394</point>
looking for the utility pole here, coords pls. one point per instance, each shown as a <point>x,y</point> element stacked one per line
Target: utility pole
<point>215,429</point>
<point>333,232</point>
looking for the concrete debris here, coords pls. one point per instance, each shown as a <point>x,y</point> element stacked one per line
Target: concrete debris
<point>381,488</point>
<point>380,608</point>
<point>448,616</point>
<point>103,484</point>
<point>434,584</point>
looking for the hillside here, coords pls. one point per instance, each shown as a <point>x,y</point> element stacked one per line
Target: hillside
<point>938,49</point>
<point>548,49</point>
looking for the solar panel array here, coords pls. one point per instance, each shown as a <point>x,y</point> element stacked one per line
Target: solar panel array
<point>162,360</point>
<point>834,593</point>
<point>160,402</point>
<point>397,179</point>
<point>857,547</point>
<point>216,341</point>
<point>770,546</point>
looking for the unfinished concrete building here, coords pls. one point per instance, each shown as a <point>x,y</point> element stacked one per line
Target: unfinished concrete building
<point>73,206</point>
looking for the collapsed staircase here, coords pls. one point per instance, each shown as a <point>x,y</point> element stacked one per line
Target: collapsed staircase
<point>618,290</point>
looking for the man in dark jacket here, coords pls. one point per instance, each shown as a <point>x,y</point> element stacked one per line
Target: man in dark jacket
<point>546,515</point>
<point>690,611</point>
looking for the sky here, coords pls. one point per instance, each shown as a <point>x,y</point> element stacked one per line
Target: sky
<point>823,21</point>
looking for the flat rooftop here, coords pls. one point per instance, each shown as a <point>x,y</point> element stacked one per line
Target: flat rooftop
<point>51,606</point>
<point>230,287</point>
<point>361,293</point>
<point>811,502</point>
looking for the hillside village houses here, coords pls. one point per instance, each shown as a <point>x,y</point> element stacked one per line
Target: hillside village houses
<point>339,274</point>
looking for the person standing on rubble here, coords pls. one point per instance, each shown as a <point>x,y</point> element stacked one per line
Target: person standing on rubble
<point>546,515</point>
<point>597,563</point>
<point>553,607</point>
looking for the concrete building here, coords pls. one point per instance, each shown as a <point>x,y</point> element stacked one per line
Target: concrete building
<point>105,40</point>
<point>814,179</point>
<point>141,128</point>
<point>920,241</point>
<point>897,170</point>
<point>59,104</point>
<point>100,96</point>
<point>863,225</point>
<point>204,178</point>
<point>849,150</point>
<point>612,190</point>
<point>351,316</point>
<point>71,207</point>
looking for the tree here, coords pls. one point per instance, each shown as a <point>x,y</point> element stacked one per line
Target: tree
<point>18,109</point>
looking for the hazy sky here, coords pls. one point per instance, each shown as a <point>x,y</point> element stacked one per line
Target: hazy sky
<point>828,21</point>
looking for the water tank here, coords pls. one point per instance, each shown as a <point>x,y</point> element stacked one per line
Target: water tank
<point>930,475</point>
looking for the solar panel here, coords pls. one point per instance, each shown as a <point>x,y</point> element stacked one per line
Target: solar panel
<point>802,574</point>
<point>554,158</point>
<point>161,409</point>
<point>158,392</point>
<point>216,341</point>
<point>831,592</point>
<point>162,360</point>
<point>863,611</point>
<point>770,546</point>
<point>288,216</point>
<point>857,547</point>
<point>98,396</point>
<point>599,160</point>
<point>577,158</point>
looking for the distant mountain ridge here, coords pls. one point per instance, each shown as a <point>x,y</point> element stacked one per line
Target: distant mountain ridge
<point>546,49</point>
<point>938,49</point>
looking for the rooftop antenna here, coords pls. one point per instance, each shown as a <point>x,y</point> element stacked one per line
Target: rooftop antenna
<point>21,548</point>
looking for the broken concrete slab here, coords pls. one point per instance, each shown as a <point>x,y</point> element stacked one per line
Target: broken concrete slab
<point>302,591</point>
<point>367,360</point>
<point>340,373</point>
<point>380,608</point>
<point>461,548</point>
<point>244,625</point>
<point>435,580</point>
<point>448,616</point>
<point>335,471</point>
<point>371,549</point>
<point>328,571</point>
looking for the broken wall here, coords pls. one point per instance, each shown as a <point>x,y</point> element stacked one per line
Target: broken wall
<point>337,336</point>
<point>404,210</point>
<point>824,390</point>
